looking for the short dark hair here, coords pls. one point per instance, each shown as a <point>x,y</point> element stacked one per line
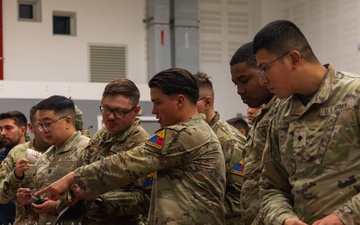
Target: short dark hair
<point>176,81</point>
<point>32,114</point>
<point>244,54</point>
<point>123,87</point>
<point>204,81</point>
<point>281,36</point>
<point>18,117</point>
<point>239,122</point>
<point>60,105</point>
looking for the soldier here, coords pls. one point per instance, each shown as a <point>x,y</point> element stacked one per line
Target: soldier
<point>15,169</point>
<point>122,132</point>
<point>251,112</point>
<point>57,122</point>
<point>189,181</point>
<point>312,160</point>
<point>232,143</point>
<point>13,132</point>
<point>244,75</point>
<point>240,124</point>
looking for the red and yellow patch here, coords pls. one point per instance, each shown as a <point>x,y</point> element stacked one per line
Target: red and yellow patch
<point>238,168</point>
<point>157,141</point>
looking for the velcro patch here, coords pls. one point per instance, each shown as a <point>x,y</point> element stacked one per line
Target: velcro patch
<point>238,168</point>
<point>149,181</point>
<point>157,141</point>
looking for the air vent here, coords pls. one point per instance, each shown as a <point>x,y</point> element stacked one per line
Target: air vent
<point>107,63</point>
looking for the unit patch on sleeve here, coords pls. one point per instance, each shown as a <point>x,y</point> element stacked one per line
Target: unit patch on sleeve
<point>238,168</point>
<point>157,141</point>
<point>149,181</point>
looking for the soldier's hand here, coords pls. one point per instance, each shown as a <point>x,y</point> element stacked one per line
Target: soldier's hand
<point>48,206</point>
<point>294,221</point>
<point>57,189</point>
<point>23,195</point>
<point>20,167</point>
<point>331,219</point>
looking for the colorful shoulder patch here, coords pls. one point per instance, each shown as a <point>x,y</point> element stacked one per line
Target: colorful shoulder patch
<point>157,141</point>
<point>149,181</point>
<point>238,168</point>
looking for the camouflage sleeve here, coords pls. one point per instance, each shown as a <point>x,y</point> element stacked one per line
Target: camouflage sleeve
<point>275,188</point>
<point>234,170</point>
<point>121,169</point>
<point>349,213</point>
<point>8,183</point>
<point>66,203</point>
<point>132,202</point>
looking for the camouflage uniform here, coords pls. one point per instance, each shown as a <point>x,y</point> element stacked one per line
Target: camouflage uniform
<point>10,184</point>
<point>312,162</point>
<point>122,206</point>
<point>189,183</point>
<point>250,194</point>
<point>232,143</point>
<point>56,163</point>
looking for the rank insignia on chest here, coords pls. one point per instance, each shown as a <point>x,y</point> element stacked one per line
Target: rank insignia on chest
<point>157,141</point>
<point>149,181</point>
<point>238,168</point>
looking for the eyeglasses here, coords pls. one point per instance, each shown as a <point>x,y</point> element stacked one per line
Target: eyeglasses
<point>201,98</point>
<point>45,127</point>
<point>117,113</point>
<point>262,69</point>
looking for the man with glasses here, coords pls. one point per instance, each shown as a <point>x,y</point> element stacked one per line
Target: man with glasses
<point>185,156</point>
<point>122,132</point>
<point>57,123</point>
<point>14,167</point>
<point>232,143</point>
<point>244,75</point>
<point>311,161</point>
<point>13,131</point>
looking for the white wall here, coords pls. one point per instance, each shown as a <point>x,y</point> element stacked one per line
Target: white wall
<point>332,27</point>
<point>38,64</point>
<point>33,53</point>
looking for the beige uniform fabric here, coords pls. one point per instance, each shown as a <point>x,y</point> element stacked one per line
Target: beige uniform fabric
<point>232,143</point>
<point>125,205</point>
<point>10,184</point>
<point>189,184</point>
<point>312,160</point>
<point>254,147</point>
<point>53,165</point>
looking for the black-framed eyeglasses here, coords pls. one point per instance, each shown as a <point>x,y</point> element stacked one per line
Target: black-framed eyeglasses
<point>262,69</point>
<point>45,127</point>
<point>201,98</point>
<point>117,112</point>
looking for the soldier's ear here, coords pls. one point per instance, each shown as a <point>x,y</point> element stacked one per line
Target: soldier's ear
<point>137,110</point>
<point>208,101</point>
<point>180,101</point>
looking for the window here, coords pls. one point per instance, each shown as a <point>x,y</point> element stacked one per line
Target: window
<point>64,23</point>
<point>29,10</point>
